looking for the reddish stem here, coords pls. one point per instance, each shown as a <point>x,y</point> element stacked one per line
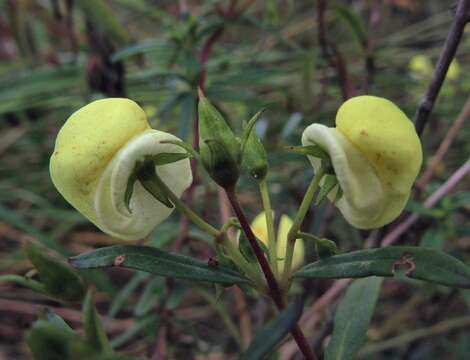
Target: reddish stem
<point>274,289</point>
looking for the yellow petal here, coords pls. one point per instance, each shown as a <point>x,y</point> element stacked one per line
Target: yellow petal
<point>362,203</point>
<point>260,227</point>
<point>146,212</point>
<point>386,137</point>
<point>285,224</point>
<point>85,151</point>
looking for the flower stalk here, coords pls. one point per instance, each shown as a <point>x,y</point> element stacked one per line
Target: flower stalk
<point>299,218</point>
<point>272,246</point>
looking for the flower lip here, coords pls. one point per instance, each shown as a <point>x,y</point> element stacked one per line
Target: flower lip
<point>146,211</point>
<point>355,175</point>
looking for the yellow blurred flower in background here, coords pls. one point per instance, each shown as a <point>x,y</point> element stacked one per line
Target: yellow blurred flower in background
<point>260,229</point>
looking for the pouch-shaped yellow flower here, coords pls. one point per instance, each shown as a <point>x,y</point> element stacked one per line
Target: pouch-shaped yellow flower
<point>95,153</point>
<point>260,229</point>
<point>376,155</point>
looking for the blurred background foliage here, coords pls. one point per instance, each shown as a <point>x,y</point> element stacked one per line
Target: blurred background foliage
<point>58,55</point>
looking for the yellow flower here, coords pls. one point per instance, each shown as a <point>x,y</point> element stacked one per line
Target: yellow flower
<point>421,67</point>
<point>260,229</point>
<point>376,155</point>
<point>95,153</point>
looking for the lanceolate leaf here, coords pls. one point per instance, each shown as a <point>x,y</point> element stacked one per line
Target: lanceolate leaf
<point>157,262</point>
<point>270,336</point>
<point>59,279</point>
<point>415,262</point>
<point>352,319</point>
<point>94,331</point>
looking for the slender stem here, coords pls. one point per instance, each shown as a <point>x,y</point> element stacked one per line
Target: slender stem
<point>299,218</point>
<point>272,246</point>
<point>236,256</point>
<point>448,52</point>
<point>180,205</point>
<point>274,289</point>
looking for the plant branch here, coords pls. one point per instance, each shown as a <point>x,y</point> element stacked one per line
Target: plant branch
<point>335,58</point>
<point>445,145</point>
<point>401,340</point>
<point>274,289</point>
<point>454,36</point>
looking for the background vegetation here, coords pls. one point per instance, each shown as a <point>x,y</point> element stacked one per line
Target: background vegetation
<point>58,55</point>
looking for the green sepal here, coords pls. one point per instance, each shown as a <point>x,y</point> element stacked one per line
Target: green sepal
<point>309,150</point>
<point>220,165</point>
<point>147,176</point>
<point>157,160</point>
<point>253,155</point>
<point>219,148</point>
<point>167,158</point>
<point>130,190</point>
<point>60,280</point>
<point>323,247</point>
<point>182,145</point>
<point>329,183</point>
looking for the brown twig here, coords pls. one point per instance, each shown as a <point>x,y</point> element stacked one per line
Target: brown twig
<point>432,200</point>
<point>335,59</point>
<point>439,328</point>
<point>374,20</point>
<point>274,289</point>
<point>444,147</point>
<point>447,55</point>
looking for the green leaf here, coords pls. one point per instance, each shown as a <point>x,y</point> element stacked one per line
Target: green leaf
<point>59,279</point>
<point>94,330</point>
<point>102,16</point>
<point>54,319</point>
<point>123,295</point>
<point>157,262</point>
<point>48,341</point>
<point>352,319</point>
<point>416,262</point>
<point>272,334</point>
<point>246,249</point>
<point>355,23</point>
<point>150,296</point>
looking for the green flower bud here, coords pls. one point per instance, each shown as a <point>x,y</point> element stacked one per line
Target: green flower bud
<point>219,148</point>
<point>254,158</point>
